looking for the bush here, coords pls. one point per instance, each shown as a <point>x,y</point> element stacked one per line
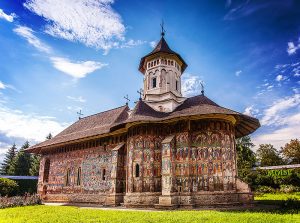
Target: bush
<point>289,188</point>
<point>265,189</point>
<point>16,201</point>
<point>26,186</point>
<point>8,187</point>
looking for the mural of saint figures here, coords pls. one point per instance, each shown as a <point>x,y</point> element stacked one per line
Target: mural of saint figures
<point>205,183</point>
<point>181,169</point>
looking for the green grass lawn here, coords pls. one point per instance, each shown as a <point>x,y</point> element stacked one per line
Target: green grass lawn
<point>43,213</point>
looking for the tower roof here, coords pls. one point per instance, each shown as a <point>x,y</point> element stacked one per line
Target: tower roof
<point>161,47</point>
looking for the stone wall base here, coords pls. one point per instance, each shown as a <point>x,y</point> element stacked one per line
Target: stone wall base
<point>76,198</point>
<point>146,199</point>
<point>114,199</point>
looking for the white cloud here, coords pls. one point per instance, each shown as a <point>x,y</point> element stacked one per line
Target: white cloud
<point>91,22</point>
<point>27,33</point>
<point>280,77</point>
<point>152,44</point>
<point>273,114</point>
<point>77,99</point>
<point>2,85</point>
<point>279,136</point>
<point>17,124</point>
<point>131,43</point>
<point>251,111</point>
<point>191,85</point>
<point>292,48</point>
<point>9,18</point>
<point>7,86</point>
<point>77,69</point>
<point>237,73</point>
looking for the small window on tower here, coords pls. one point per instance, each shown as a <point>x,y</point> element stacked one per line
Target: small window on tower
<point>154,82</point>
<point>176,85</point>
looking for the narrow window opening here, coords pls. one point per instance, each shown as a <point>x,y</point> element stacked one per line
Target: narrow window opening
<point>176,85</point>
<point>46,170</point>
<point>68,178</point>
<point>137,170</point>
<point>154,82</point>
<point>103,174</point>
<point>79,176</point>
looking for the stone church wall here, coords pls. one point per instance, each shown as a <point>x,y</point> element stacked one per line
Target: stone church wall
<point>95,167</point>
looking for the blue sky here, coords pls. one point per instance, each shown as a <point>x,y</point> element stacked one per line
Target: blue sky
<point>60,56</point>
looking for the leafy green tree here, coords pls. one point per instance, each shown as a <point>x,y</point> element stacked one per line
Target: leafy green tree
<point>9,156</point>
<point>291,151</point>
<point>21,163</point>
<point>267,155</point>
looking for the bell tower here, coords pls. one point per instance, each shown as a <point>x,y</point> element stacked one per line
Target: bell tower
<point>162,70</point>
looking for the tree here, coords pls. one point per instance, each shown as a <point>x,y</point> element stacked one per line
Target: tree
<point>35,165</point>
<point>10,155</point>
<point>21,163</point>
<point>267,155</point>
<point>245,156</point>
<point>49,136</point>
<point>291,151</point>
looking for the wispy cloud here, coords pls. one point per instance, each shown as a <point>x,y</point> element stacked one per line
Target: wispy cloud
<point>280,77</point>
<point>131,43</point>
<point>91,22</point>
<point>273,115</point>
<point>8,18</point>
<point>293,47</point>
<point>191,85</point>
<point>77,99</point>
<point>238,72</point>
<point>7,86</point>
<point>153,44</point>
<point>251,111</point>
<point>78,69</point>
<point>17,124</point>
<point>28,34</point>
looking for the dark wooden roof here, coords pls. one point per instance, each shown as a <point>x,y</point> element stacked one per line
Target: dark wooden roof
<point>197,105</point>
<point>161,47</point>
<point>108,121</point>
<point>89,126</point>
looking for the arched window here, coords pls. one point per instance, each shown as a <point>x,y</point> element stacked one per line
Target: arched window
<point>46,170</point>
<point>103,174</point>
<point>68,178</point>
<point>78,177</point>
<point>137,170</point>
<point>172,62</point>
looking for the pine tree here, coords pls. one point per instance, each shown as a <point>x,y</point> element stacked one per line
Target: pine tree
<point>49,136</point>
<point>21,163</point>
<point>10,155</point>
<point>35,165</point>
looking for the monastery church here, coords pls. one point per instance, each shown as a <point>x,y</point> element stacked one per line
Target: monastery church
<point>169,151</point>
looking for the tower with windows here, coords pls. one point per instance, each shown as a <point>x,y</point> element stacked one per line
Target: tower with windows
<point>162,70</point>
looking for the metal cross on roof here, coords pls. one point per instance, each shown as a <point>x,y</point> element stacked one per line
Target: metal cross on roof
<point>127,99</point>
<point>140,92</point>
<point>202,87</point>
<point>163,31</point>
<point>79,114</point>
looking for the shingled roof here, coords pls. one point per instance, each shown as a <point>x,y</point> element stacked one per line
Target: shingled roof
<point>197,105</point>
<point>108,121</point>
<point>161,47</point>
<point>89,126</point>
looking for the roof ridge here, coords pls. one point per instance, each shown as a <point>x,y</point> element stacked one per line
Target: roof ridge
<point>102,112</point>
